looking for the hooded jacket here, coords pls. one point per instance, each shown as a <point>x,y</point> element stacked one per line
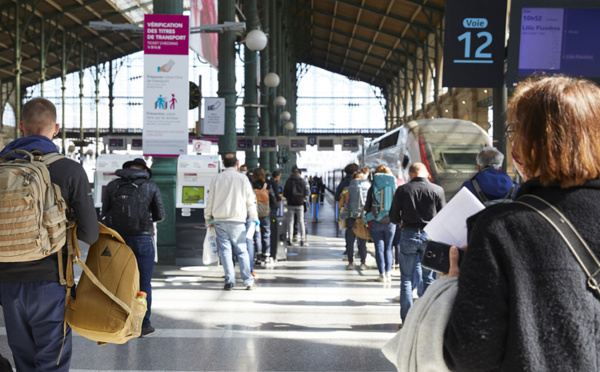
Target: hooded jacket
<point>494,183</point>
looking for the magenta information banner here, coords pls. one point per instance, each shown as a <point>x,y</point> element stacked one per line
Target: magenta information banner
<point>166,34</point>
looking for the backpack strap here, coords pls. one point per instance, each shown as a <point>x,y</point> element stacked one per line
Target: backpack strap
<point>582,252</point>
<point>511,193</point>
<point>479,191</point>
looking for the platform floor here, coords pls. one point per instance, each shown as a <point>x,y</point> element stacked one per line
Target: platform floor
<point>308,314</point>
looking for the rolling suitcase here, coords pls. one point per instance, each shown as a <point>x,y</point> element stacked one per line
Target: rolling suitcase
<point>278,238</point>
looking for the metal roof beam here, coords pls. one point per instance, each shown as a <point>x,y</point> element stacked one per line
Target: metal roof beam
<point>373,28</point>
<point>431,7</point>
<point>419,25</point>
<point>364,40</point>
<point>350,49</point>
<point>375,67</point>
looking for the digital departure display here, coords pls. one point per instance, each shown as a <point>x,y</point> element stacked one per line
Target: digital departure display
<point>554,40</point>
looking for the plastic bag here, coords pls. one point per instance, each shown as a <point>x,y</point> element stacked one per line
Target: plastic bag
<point>210,253</point>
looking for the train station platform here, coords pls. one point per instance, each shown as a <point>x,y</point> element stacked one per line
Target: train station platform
<point>308,313</point>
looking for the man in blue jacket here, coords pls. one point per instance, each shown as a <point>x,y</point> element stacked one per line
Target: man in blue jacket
<point>491,184</point>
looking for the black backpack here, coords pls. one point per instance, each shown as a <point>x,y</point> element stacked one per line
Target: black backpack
<point>298,192</point>
<point>128,214</point>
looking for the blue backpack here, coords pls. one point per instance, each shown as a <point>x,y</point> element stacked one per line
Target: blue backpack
<point>384,187</point>
<point>357,196</point>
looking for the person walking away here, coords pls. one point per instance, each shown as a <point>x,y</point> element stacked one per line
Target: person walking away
<point>415,204</point>
<point>491,185</point>
<point>377,208</point>
<point>230,200</point>
<point>264,199</point>
<point>32,298</point>
<point>274,184</point>
<point>131,204</point>
<point>295,191</point>
<point>523,303</point>
<point>349,170</point>
<point>357,195</point>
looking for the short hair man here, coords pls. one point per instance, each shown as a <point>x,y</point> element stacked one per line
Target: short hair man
<point>230,201</point>
<point>33,300</point>
<point>296,191</point>
<point>140,238</point>
<point>415,204</point>
<point>491,182</point>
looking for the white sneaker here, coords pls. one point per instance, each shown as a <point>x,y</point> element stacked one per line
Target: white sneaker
<point>363,267</point>
<point>397,299</point>
<point>380,278</point>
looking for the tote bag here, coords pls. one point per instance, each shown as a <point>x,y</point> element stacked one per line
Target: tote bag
<point>210,254</point>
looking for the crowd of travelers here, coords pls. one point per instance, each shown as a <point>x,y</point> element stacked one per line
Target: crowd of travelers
<point>524,298</point>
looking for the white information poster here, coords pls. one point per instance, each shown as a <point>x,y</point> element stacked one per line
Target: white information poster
<point>214,116</point>
<point>166,85</point>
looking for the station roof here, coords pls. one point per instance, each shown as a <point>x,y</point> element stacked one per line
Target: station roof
<point>366,40</point>
<point>63,17</point>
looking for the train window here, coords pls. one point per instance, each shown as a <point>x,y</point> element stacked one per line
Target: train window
<point>389,141</point>
<point>456,158</point>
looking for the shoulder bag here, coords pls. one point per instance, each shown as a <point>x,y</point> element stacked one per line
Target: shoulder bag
<point>582,252</point>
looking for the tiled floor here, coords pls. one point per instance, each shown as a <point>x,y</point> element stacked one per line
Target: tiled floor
<point>308,314</point>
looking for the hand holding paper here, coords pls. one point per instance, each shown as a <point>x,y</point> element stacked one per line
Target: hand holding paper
<point>450,224</point>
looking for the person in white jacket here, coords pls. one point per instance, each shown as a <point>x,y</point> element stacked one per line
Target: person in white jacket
<point>230,200</point>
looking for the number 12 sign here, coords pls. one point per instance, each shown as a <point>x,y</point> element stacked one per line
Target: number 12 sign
<point>474,43</point>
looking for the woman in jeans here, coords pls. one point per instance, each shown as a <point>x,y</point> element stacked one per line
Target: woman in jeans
<point>377,206</point>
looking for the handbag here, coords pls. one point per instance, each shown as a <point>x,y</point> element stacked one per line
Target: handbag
<point>341,224</point>
<point>582,252</point>
<point>360,227</point>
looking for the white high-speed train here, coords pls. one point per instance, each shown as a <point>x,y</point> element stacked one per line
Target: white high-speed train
<point>448,147</point>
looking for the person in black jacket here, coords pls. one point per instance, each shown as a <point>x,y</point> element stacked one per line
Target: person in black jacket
<point>274,183</point>
<point>415,204</point>
<point>296,191</point>
<point>139,238</point>
<point>32,298</point>
<point>522,302</point>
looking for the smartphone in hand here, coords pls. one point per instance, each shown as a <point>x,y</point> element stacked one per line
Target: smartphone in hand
<point>437,256</point>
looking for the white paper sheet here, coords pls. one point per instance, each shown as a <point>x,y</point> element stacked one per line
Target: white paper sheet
<point>450,224</point>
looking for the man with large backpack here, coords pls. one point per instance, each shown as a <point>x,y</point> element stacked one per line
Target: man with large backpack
<point>295,191</point>
<point>491,185</point>
<point>130,205</point>
<point>354,202</point>
<point>33,292</point>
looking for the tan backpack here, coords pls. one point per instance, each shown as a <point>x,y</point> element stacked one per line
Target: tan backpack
<point>33,220</point>
<point>104,309</point>
<point>262,201</point>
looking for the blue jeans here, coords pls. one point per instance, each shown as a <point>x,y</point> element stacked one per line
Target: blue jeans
<point>350,238</point>
<point>143,249</point>
<point>383,234</point>
<point>250,244</point>
<point>262,241</point>
<point>233,234</point>
<point>34,313</point>
<point>412,247</point>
